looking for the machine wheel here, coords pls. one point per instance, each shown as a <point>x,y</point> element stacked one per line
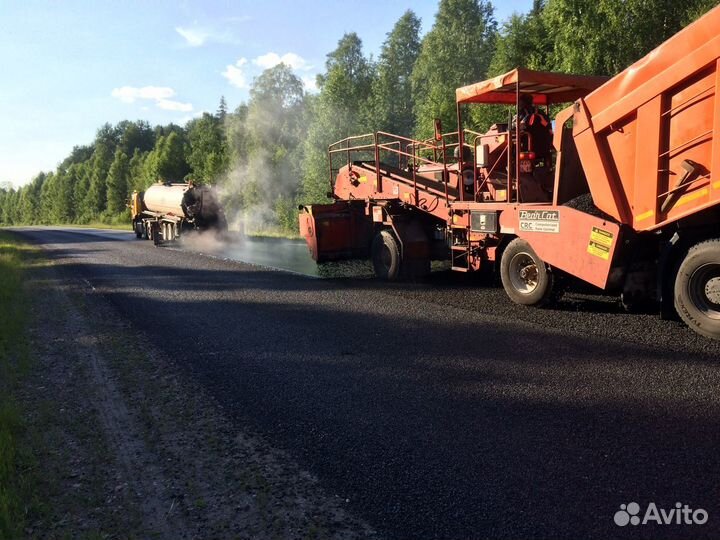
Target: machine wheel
<point>697,289</point>
<point>138,229</point>
<point>526,278</point>
<point>386,257</point>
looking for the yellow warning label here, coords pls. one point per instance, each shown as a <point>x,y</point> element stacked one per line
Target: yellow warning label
<point>600,243</point>
<point>599,250</point>
<point>362,179</point>
<point>601,236</point>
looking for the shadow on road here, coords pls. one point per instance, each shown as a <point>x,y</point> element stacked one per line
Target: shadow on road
<point>441,411</point>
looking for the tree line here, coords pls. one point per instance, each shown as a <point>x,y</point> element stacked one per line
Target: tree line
<point>269,154</point>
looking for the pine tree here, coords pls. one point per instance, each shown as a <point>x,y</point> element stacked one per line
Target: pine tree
<point>222,110</point>
<point>96,197</point>
<point>117,183</point>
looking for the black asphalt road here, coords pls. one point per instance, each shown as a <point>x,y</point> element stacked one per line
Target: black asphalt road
<point>439,410</point>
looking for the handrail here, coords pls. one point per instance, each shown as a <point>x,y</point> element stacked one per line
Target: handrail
<point>412,154</point>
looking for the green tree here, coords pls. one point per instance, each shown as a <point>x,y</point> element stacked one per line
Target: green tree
<point>336,112</point>
<point>457,51</point>
<point>222,110</point>
<point>117,182</point>
<point>167,161</point>
<point>137,179</point>
<point>208,155</point>
<point>522,42</point>
<point>605,37</point>
<point>391,104</point>
<point>96,197</point>
<point>135,136</point>
<point>66,209</point>
<point>29,201</point>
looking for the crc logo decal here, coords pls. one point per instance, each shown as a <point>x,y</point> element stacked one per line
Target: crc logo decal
<point>681,514</point>
<point>544,221</point>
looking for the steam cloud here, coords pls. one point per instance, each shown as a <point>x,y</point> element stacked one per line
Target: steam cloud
<point>260,189</point>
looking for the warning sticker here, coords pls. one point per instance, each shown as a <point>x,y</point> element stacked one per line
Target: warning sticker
<point>600,243</point>
<point>543,221</point>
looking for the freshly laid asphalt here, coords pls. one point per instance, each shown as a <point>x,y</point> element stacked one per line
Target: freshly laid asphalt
<point>436,409</point>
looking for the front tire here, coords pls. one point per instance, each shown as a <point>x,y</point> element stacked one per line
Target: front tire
<point>386,256</point>
<point>527,280</point>
<point>697,289</point>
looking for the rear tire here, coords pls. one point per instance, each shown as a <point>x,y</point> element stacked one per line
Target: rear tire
<point>697,289</point>
<point>386,257</point>
<point>155,233</point>
<point>525,277</point>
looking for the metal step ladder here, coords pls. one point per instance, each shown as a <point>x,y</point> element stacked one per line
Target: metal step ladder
<point>459,249</point>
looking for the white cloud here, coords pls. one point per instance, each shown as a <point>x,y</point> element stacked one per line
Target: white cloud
<point>235,74</point>
<point>171,105</point>
<point>310,83</point>
<point>195,37</point>
<point>128,94</point>
<point>159,94</point>
<point>271,59</point>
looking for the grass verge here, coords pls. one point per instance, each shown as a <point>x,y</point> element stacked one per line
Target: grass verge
<point>16,460</point>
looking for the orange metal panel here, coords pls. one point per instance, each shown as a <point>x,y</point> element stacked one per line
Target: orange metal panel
<point>646,177</point>
<point>578,243</point>
<point>562,117</point>
<point>715,157</point>
<point>596,161</point>
<point>547,87</point>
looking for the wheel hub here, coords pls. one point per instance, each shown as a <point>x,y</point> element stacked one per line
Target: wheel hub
<point>712,290</point>
<point>704,289</point>
<point>523,273</point>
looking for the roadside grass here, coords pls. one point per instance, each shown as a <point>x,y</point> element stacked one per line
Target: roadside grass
<point>16,461</point>
<point>100,225</point>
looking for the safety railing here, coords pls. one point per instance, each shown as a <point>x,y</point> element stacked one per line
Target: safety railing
<point>406,151</point>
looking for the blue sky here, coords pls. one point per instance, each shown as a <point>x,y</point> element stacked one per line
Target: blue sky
<point>70,66</point>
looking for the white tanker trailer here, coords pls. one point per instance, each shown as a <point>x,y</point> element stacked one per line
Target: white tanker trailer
<point>164,211</point>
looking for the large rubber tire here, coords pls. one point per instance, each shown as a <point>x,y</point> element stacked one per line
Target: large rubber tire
<point>697,289</point>
<point>386,257</point>
<point>155,234</point>
<point>525,277</point>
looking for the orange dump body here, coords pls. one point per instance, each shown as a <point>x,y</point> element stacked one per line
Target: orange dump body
<point>649,138</point>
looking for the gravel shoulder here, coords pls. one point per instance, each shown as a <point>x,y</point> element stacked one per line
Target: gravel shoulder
<point>131,449</point>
